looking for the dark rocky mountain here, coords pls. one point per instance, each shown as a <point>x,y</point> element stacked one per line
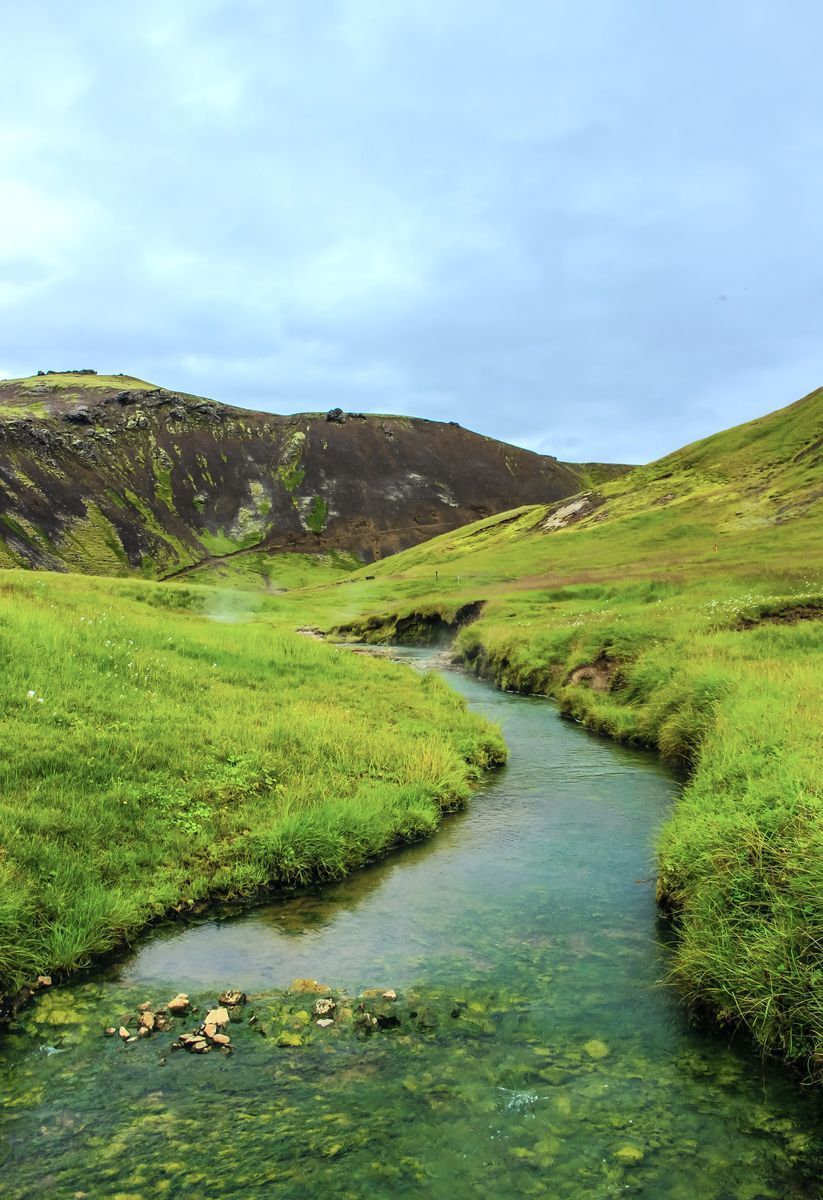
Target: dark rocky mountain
<point>110,474</point>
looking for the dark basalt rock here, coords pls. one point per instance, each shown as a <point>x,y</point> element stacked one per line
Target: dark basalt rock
<point>80,416</point>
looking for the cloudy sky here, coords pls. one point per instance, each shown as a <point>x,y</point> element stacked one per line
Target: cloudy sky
<point>590,227</point>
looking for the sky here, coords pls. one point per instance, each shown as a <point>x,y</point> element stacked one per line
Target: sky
<point>587,227</point>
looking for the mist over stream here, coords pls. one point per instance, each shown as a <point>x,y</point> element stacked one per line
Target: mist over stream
<point>569,1072</point>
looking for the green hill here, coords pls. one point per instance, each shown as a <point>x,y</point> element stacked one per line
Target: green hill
<point>679,606</point>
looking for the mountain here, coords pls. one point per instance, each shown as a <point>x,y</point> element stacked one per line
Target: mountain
<point>111,474</point>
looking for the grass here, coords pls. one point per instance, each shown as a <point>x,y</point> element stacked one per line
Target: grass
<point>65,379</point>
<point>680,610</point>
<point>164,744</point>
<point>275,572</point>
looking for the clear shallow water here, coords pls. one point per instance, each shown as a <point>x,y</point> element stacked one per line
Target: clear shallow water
<point>569,1072</point>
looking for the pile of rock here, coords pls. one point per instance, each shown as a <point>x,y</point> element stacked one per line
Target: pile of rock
<point>210,1034</point>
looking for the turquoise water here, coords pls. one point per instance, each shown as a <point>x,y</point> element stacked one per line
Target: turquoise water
<point>537,1053</point>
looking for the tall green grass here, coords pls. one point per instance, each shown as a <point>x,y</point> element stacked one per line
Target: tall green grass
<point>162,745</point>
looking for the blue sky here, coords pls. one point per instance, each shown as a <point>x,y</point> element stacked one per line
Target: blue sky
<point>592,228</point>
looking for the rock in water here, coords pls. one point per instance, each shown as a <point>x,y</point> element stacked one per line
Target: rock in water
<point>232,998</point>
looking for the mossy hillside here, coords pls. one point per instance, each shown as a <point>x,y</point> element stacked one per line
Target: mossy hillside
<point>685,616</point>
<point>256,569</point>
<point>165,744</point>
<point>182,479</point>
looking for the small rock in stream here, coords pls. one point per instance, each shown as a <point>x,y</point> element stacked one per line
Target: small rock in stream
<point>232,998</point>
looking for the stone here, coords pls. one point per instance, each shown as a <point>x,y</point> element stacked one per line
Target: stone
<point>147,1021</point>
<point>221,1039</point>
<point>80,416</point>
<point>179,1004</point>
<point>209,1029</point>
<point>110,1031</point>
<point>324,1022</point>
<point>216,1016</point>
<point>124,1033</point>
<point>323,1007</point>
<point>596,1048</point>
<point>391,994</point>
<point>336,416</point>
<point>231,998</point>
<point>365,1021</point>
<point>629,1156</point>
<point>144,1007</point>
<point>44,980</point>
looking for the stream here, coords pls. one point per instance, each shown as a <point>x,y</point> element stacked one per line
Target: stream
<point>537,1052</point>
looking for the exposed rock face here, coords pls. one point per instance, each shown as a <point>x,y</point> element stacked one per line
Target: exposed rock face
<point>111,475</point>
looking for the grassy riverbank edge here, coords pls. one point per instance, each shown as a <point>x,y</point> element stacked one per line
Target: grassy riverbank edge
<point>722,683</point>
<point>166,747</point>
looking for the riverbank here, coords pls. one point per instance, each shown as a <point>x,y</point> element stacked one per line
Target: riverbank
<point>725,683</point>
<point>166,745</point>
<point>533,1046</point>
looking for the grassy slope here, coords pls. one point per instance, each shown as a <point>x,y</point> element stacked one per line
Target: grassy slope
<point>273,572</point>
<point>181,752</point>
<point>666,596</point>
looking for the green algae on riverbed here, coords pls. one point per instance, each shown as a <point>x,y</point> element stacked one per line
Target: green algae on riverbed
<point>570,1072</point>
<point>481,1102</point>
